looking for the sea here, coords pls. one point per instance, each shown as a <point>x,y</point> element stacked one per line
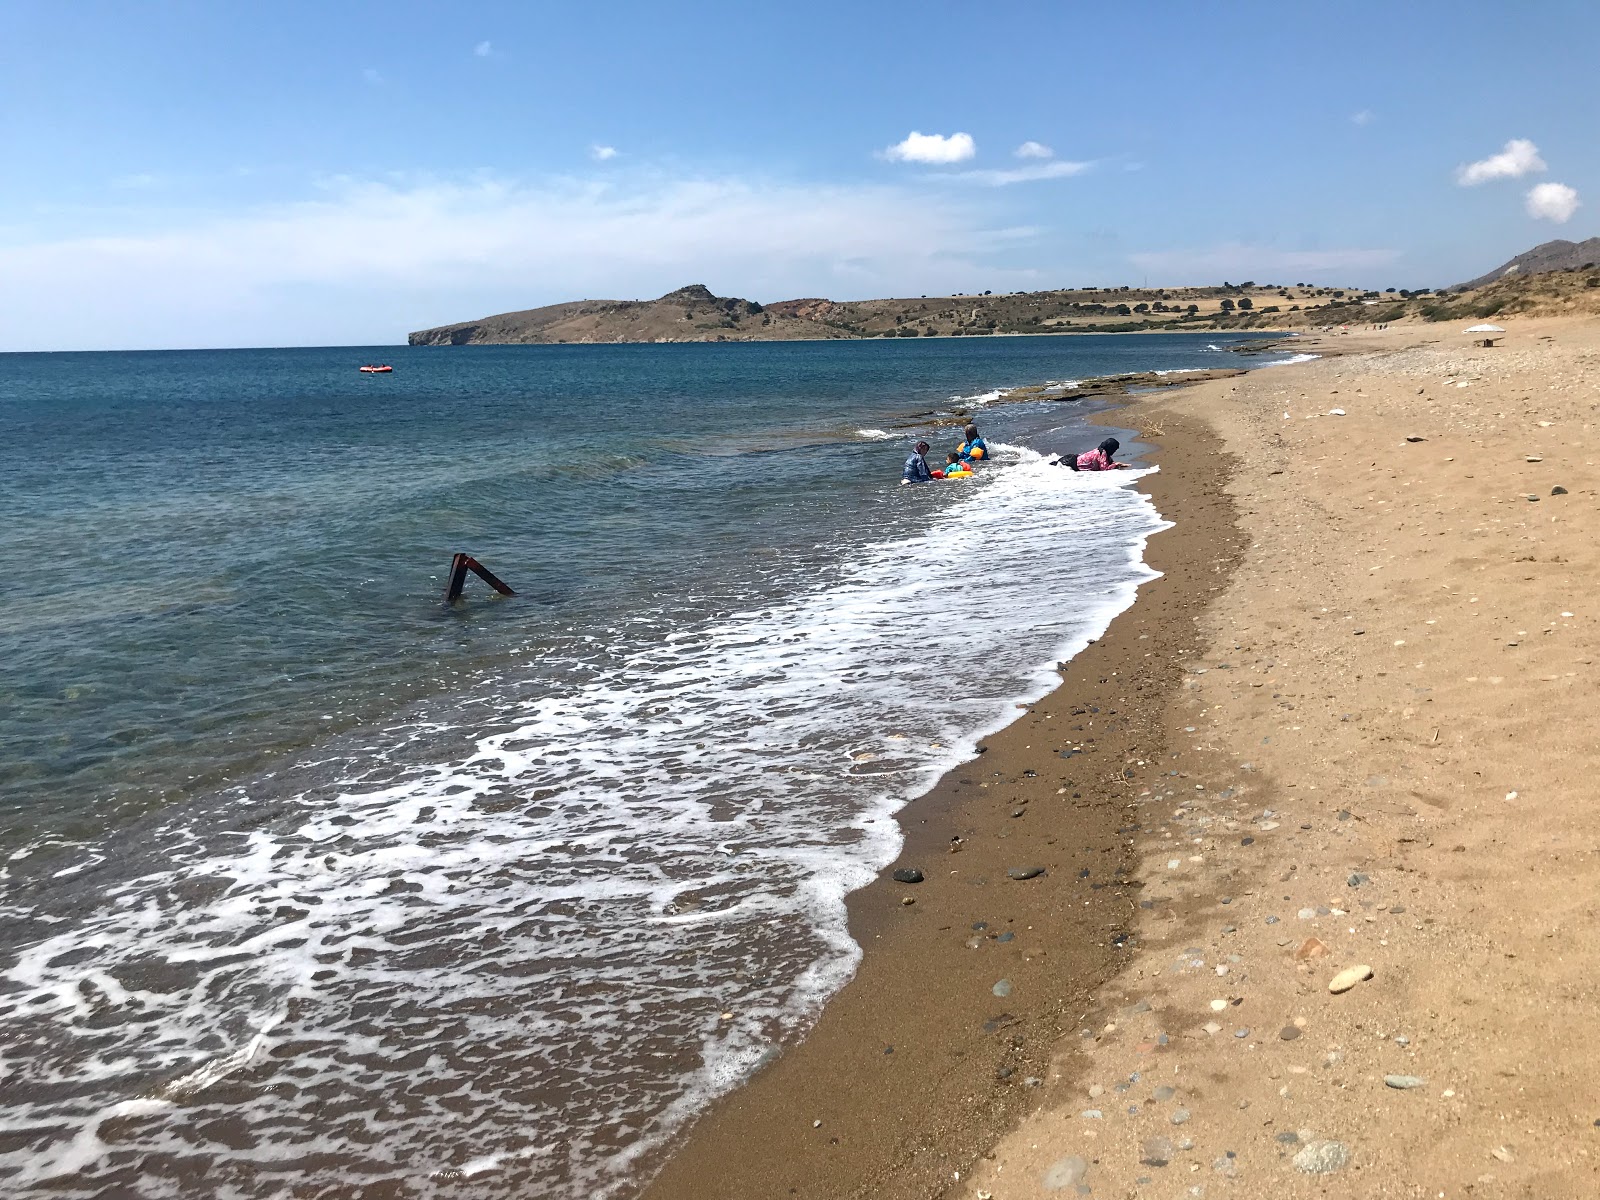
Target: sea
<point>313,886</point>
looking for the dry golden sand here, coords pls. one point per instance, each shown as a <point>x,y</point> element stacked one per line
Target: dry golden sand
<point>1370,663</point>
<point>1386,745</point>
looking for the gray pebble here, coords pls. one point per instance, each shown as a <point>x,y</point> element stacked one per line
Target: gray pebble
<point>1065,1173</point>
<point>1241,1033</point>
<point>907,875</point>
<point>1322,1157</point>
<point>1092,1114</point>
<point>1272,920</point>
<point>1288,1033</point>
<point>1002,989</point>
<point>1356,881</point>
<point>1404,1082</point>
<point>1558,490</point>
<point>1179,1116</point>
<point>1287,1138</point>
<point>1226,1167</point>
<point>1024,872</point>
<point>1164,1093</point>
<point>1156,1152</point>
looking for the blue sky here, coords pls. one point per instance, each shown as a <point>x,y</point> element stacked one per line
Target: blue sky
<point>214,174</point>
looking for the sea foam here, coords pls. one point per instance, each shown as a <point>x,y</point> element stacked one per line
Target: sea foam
<point>466,971</point>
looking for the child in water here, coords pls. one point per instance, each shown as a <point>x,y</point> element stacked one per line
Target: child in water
<point>1098,459</point>
<point>953,466</point>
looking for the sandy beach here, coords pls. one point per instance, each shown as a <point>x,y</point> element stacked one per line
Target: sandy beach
<point>1341,741</point>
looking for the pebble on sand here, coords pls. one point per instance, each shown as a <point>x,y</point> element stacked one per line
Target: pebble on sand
<point>1156,1152</point>
<point>1311,948</point>
<point>1348,978</point>
<point>907,875</point>
<point>1322,1157</point>
<point>1404,1082</point>
<point>1024,872</point>
<point>1064,1173</point>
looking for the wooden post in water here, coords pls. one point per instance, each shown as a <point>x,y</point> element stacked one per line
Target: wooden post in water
<point>459,566</point>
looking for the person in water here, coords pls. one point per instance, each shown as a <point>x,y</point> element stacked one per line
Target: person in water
<point>974,449</point>
<point>952,465</point>
<point>1098,459</point>
<point>916,470</point>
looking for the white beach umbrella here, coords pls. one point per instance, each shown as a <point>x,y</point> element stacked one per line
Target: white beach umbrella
<point>1486,329</point>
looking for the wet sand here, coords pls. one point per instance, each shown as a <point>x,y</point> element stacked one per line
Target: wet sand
<point>918,1065</point>
<point>1370,663</point>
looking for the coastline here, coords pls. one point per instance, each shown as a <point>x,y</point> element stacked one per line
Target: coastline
<point>1354,742</point>
<point>917,1065</point>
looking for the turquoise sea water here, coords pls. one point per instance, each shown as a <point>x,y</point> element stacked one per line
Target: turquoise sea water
<point>306,880</point>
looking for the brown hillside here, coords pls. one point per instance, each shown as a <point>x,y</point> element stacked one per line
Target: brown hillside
<point>696,314</point>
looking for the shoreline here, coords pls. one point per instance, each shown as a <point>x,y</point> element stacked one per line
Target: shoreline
<point>1350,744</point>
<point>943,1038</point>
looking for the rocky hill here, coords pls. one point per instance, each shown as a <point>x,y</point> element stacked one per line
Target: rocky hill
<point>690,314</point>
<point>1559,255</point>
<point>695,314</point>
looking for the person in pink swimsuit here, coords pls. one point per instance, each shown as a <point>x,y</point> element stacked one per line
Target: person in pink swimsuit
<point>1098,459</point>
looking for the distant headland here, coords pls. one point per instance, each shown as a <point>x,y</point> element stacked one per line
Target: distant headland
<point>1549,278</point>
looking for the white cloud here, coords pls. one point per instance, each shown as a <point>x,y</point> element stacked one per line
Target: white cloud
<point>933,148</point>
<point>1049,170</point>
<point>1033,150</point>
<point>1365,117</point>
<point>1552,202</point>
<point>371,76</point>
<point>602,153</point>
<point>1519,158</point>
<point>1236,260</point>
<point>364,262</point>
<point>483,49</point>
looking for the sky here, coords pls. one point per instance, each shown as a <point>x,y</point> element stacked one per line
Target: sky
<point>198,174</point>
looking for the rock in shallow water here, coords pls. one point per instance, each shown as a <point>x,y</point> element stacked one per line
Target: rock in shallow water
<point>1322,1157</point>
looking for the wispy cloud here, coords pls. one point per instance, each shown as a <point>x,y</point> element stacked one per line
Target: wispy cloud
<point>933,148</point>
<point>602,153</point>
<point>997,178</point>
<point>1519,157</point>
<point>1033,150</point>
<point>1552,202</point>
<point>1237,260</point>
<point>367,260</point>
<point>1365,117</point>
<point>484,49</point>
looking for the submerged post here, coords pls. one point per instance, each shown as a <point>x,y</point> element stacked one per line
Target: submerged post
<point>459,566</point>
